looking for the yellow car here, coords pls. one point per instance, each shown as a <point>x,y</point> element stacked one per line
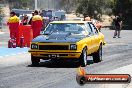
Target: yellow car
<point>69,40</point>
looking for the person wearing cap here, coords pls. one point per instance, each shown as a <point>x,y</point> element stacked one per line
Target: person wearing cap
<point>37,24</point>
<point>13,23</point>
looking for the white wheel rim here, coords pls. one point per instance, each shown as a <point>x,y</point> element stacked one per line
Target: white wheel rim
<point>100,53</point>
<point>85,58</point>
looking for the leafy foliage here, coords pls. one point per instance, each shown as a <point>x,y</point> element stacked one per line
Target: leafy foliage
<point>20,4</point>
<point>90,7</point>
<point>96,7</point>
<point>124,7</point>
<point>93,8</point>
<point>1,11</point>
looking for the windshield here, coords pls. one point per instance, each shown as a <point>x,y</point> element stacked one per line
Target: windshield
<point>73,28</point>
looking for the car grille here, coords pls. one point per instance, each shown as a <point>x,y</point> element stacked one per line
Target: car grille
<point>53,47</point>
<point>57,54</point>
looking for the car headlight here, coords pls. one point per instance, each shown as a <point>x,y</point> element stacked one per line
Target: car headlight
<point>34,46</point>
<point>73,47</point>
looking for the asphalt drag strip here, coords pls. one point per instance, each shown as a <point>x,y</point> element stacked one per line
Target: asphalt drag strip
<point>116,54</point>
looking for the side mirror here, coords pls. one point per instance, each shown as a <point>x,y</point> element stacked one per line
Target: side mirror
<point>89,34</point>
<point>104,43</point>
<point>41,32</point>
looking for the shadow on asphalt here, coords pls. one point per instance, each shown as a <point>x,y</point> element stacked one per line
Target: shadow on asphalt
<point>60,64</point>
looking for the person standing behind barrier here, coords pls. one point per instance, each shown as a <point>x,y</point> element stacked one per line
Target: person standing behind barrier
<point>13,23</point>
<point>36,24</point>
<point>43,22</point>
<point>118,26</point>
<point>87,18</point>
<point>0,23</point>
<point>25,20</point>
<point>31,19</point>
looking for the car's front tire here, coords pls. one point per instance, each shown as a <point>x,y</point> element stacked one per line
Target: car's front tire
<point>83,58</point>
<point>97,56</point>
<point>35,61</point>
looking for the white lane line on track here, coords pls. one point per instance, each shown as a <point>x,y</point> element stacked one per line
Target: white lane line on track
<point>13,54</point>
<point>2,32</point>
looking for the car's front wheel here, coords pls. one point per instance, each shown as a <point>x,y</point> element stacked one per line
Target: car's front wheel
<point>83,58</point>
<point>35,61</point>
<point>97,56</point>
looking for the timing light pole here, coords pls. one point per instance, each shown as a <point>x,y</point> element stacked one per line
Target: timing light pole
<point>36,2</point>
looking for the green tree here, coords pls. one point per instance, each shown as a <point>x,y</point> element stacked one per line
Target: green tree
<point>124,7</point>
<point>20,4</point>
<point>1,10</point>
<point>68,4</point>
<point>90,7</point>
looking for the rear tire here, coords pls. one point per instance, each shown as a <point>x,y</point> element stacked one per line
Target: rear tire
<point>97,56</point>
<point>83,58</point>
<point>35,61</point>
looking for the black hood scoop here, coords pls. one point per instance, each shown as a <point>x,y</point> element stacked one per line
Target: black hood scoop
<point>59,36</point>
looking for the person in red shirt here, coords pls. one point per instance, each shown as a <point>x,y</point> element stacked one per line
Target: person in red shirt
<point>13,23</point>
<point>37,24</point>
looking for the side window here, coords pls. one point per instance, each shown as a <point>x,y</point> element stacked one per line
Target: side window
<point>89,29</point>
<point>95,31</point>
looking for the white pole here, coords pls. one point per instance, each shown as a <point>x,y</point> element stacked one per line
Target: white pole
<point>48,4</point>
<point>36,4</point>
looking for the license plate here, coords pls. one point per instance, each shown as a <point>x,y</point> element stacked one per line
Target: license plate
<point>53,55</point>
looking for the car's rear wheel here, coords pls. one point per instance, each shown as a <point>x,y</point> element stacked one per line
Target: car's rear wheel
<point>35,61</point>
<point>97,56</point>
<point>83,58</point>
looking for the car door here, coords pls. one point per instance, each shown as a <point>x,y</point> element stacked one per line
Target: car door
<point>91,38</point>
<point>96,39</point>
